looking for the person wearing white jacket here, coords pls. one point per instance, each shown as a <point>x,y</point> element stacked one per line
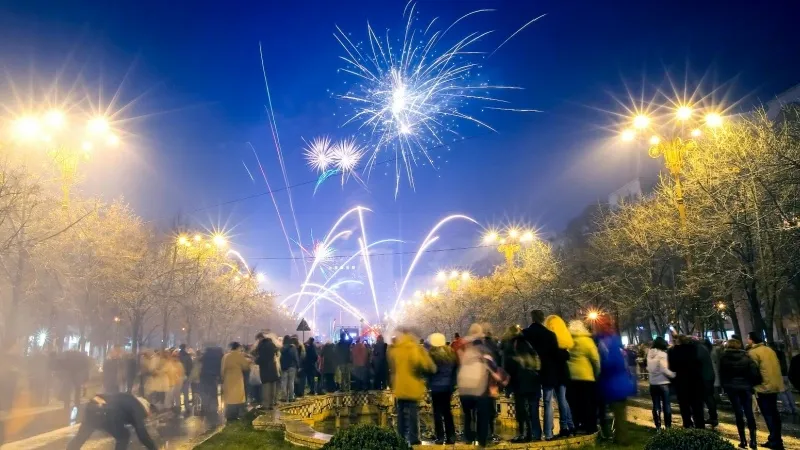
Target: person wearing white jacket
<point>660,375</point>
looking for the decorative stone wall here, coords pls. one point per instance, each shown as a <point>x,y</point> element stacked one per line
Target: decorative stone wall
<point>296,419</point>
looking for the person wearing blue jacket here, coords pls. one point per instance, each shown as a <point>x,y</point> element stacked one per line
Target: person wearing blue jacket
<point>442,384</point>
<point>615,383</point>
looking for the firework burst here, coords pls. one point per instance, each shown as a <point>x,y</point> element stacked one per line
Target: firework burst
<point>412,95</point>
<point>318,154</point>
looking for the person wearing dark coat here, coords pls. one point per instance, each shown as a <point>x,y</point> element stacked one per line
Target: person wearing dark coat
<point>738,375</point>
<point>330,364</point>
<point>380,365</point>
<point>704,355</point>
<point>345,359</point>
<point>111,413</point>
<point>187,363</point>
<point>684,360</point>
<point>521,363</point>
<point>442,385</point>
<point>545,343</point>
<point>310,365</point>
<point>794,371</point>
<point>268,370</point>
<point>210,377</point>
<point>290,361</point>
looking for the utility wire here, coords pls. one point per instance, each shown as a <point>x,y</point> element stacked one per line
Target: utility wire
<point>311,258</point>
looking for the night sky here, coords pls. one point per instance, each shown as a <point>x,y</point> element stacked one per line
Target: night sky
<point>190,79</point>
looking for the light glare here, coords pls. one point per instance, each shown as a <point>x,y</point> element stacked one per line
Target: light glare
<point>713,120</point>
<point>655,140</point>
<point>641,122</point>
<point>684,113</point>
<point>628,135</point>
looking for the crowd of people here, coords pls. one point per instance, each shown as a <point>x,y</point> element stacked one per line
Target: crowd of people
<point>587,375</point>
<point>746,372</point>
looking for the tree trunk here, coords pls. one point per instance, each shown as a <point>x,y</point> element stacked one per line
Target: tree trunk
<point>17,292</point>
<point>735,317</point>
<point>755,308</point>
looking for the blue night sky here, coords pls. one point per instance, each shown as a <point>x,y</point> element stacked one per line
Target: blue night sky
<point>192,76</point>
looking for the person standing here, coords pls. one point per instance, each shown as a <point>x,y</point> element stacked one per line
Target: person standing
<point>380,364</point>
<point>545,343</point>
<point>522,364</point>
<point>565,342</point>
<point>310,365</point>
<point>709,374</point>
<point>345,359</point>
<point>112,371</point>
<point>360,368</point>
<point>786,397</point>
<point>458,343</point>
<point>584,367</point>
<point>290,360</point>
<point>659,376</point>
<point>769,388</point>
<point>738,375</point>
<point>409,362</point>
<point>794,371</point>
<point>330,364</point>
<point>234,365</point>
<point>684,360</point>
<point>209,378</point>
<point>442,384</point>
<point>186,360</point>
<point>268,369</point>
<point>615,382</point>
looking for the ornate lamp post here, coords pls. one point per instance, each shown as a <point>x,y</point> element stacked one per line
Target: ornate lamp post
<point>66,145</point>
<point>509,241</point>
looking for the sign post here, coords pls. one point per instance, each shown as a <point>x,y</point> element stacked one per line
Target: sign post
<point>303,327</point>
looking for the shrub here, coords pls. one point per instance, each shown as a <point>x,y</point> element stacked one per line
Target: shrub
<point>688,439</point>
<point>366,437</point>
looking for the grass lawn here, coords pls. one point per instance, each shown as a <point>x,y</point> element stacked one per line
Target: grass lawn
<point>241,435</point>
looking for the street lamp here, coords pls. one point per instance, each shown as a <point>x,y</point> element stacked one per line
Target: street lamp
<point>454,278</point>
<point>671,141</point>
<point>66,146</point>
<point>509,241</point>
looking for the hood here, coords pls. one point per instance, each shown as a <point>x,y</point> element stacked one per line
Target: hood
<point>556,324</point>
<point>406,340</point>
<point>444,355</point>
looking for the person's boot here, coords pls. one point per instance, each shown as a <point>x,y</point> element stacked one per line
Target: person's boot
<point>742,439</point>
<point>753,441</point>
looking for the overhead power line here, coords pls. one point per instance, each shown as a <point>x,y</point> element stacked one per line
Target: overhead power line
<point>311,258</point>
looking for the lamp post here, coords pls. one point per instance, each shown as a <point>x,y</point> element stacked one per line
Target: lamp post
<point>509,241</point>
<point>453,279</point>
<point>671,141</point>
<point>66,145</point>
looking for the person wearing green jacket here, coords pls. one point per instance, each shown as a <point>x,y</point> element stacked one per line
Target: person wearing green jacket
<point>584,366</point>
<point>771,385</point>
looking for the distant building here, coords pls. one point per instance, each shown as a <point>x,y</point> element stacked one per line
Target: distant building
<point>633,191</point>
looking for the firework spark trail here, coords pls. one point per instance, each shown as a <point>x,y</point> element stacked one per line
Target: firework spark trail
<point>326,241</point>
<point>327,174</point>
<point>514,34</point>
<point>239,257</point>
<point>278,149</point>
<point>275,203</point>
<point>320,295</point>
<point>248,172</point>
<point>429,239</point>
<point>362,241</point>
<point>414,94</point>
<point>352,309</point>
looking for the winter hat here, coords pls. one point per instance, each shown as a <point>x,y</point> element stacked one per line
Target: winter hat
<point>475,330</point>
<point>437,340</point>
<point>577,327</point>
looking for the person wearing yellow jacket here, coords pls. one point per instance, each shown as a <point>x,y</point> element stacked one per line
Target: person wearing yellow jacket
<point>771,384</point>
<point>584,366</point>
<point>560,358</point>
<point>409,364</point>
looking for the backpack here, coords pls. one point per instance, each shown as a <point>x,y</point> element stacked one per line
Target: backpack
<point>473,375</point>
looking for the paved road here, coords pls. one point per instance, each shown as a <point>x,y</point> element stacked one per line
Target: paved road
<point>169,432</point>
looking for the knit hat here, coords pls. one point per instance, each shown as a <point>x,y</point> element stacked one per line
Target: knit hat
<point>437,340</point>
